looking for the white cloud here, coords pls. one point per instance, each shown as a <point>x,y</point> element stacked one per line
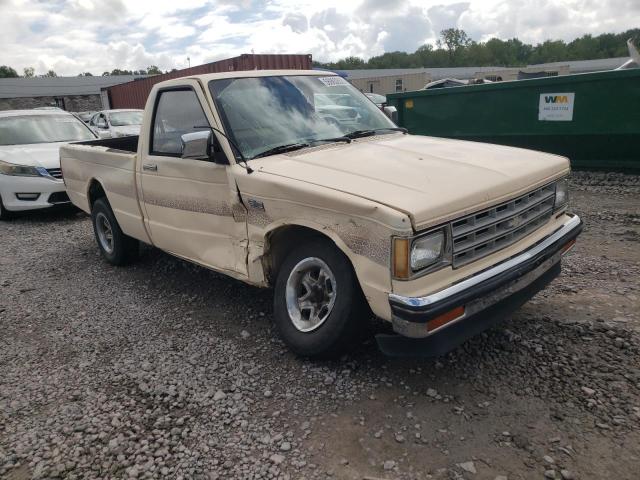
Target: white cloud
<point>73,36</point>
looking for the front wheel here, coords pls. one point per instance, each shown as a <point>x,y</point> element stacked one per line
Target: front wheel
<point>4,213</point>
<point>319,309</point>
<point>116,247</point>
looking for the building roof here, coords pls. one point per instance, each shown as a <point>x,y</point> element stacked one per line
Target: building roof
<point>575,66</point>
<point>434,73</point>
<point>59,86</point>
<point>584,66</point>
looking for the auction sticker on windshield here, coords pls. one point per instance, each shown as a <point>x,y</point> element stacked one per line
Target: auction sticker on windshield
<point>333,81</point>
<point>556,107</point>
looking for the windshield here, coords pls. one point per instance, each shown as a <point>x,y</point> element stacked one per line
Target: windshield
<point>266,112</point>
<point>30,129</point>
<point>121,119</point>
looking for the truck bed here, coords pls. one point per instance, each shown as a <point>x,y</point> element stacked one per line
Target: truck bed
<point>108,165</point>
<point>124,144</point>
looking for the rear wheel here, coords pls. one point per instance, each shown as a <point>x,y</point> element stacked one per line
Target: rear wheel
<point>116,247</point>
<point>318,305</point>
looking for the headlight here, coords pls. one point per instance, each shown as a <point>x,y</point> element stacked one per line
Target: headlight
<point>20,170</point>
<point>420,254</point>
<point>427,250</point>
<point>562,194</point>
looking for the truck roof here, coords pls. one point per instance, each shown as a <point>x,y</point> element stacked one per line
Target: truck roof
<point>207,77</point>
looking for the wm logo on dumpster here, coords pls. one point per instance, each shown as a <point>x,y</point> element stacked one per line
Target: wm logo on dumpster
<point>556,99</point>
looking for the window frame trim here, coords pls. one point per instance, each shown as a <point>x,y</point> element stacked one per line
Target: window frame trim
<point>156,101</point>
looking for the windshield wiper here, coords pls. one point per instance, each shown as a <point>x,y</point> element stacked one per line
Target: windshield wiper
<point>289,147</point>
<point>373,131</point>
<point>332,139</point>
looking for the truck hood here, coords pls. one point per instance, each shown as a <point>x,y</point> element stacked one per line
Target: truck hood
<point>45,155</point>
<point>430,179</point>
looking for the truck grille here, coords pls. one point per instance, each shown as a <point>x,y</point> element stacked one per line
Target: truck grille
<point>55,172</point>
<point>490,230</point>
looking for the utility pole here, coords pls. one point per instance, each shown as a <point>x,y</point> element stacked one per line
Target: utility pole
<point>189,60</point>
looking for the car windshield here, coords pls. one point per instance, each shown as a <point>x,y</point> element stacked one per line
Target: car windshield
<point>262,113</point>
<point>121,119</point>
<point>28,129</point>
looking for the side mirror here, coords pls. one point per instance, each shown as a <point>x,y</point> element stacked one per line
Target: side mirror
<point>197,145</point>
<point>392,113</point>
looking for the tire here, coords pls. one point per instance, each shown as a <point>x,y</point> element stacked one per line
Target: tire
<point>342,320</point>
<point>4,213</point>
<point>116,247</point>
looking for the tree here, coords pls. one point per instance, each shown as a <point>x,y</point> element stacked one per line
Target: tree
<point>153,70</point>
<point>85,74</point>
<point>7,72</point>
<point>50,73</point>
<point>454,40</point>
<point>28,72</point>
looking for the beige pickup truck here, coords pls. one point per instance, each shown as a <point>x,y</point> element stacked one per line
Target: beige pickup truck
<point>259,176</point>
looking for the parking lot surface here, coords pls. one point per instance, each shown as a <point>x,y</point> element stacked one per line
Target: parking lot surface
<point>167,370</point>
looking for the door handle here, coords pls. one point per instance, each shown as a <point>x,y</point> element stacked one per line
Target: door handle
<point>150,167</point>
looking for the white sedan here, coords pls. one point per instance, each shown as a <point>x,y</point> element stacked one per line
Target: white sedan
<point>116,123</point>
<point>30,175</point>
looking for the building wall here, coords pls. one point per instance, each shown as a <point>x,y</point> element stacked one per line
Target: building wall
<point>392,83</point>
<point>134,94</point>
<point>70,103</point>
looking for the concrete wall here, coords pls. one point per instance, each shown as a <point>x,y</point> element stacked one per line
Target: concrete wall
<point>387,84</point>
<point>72,103</point>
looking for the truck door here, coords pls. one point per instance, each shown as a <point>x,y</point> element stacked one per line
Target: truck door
<point>188,203</point>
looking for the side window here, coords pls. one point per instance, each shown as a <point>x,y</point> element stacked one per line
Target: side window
<point>177,112</point>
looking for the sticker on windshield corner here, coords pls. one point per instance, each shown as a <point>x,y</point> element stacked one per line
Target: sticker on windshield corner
<point>333,81</point>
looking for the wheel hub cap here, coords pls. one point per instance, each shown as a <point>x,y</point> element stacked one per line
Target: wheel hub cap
<point>310,294</point>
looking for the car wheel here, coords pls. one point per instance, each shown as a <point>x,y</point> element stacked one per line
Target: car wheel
<point>116,247</point>
<point>319,309</point>
<point>4,213</point>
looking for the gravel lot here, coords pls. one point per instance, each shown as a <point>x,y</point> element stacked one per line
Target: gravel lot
<point>167,370</point>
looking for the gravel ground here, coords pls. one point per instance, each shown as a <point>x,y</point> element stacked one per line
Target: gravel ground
<point>167,370</point>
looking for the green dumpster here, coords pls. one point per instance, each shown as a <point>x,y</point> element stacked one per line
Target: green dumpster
<point>592,118</point>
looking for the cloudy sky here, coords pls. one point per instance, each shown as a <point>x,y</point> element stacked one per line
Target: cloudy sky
<point>96,35</point>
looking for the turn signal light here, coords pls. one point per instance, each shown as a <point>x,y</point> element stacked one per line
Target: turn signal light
<point>401,258</point>
<point>445,318</point>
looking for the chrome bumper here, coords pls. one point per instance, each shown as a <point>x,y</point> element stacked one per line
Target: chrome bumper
<point>411,315</point>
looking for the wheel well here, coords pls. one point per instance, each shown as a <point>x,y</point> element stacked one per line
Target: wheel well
<point>279,242</point>
<point>95,192</point>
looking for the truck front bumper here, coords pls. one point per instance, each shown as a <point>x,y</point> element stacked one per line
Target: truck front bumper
<point>437,323</point>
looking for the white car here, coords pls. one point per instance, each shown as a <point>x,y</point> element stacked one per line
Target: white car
<point>116,123</point>
<point>30,174</point>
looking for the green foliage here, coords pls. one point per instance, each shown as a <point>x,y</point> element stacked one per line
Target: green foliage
<point>7,72</point>
<point>50,73</point>
<point>28,72</point>
<point>456,49</point>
